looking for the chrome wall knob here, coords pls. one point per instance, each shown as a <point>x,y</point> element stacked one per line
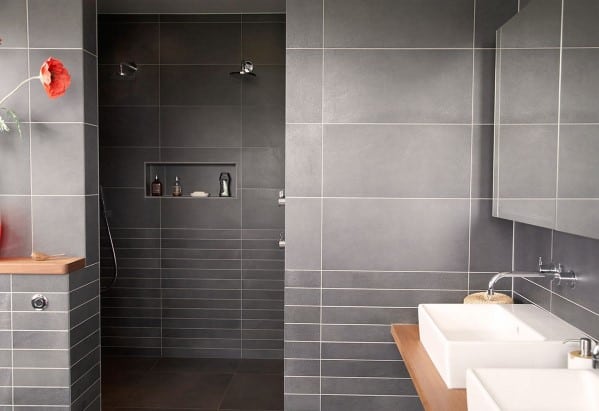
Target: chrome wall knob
<point>39,302</point>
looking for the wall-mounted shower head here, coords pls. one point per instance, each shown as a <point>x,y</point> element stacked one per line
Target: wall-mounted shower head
<point>126,71</point>
<point>247,69</point>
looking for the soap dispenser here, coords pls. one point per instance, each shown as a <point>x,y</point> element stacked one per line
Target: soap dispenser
<point>582,359</point>
<point>225,185</point>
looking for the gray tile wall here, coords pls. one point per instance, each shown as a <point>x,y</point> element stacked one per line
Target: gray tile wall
<point>578,108</point>
<point>48,195</point>
<point>388,175</point>
<point>198,278</point>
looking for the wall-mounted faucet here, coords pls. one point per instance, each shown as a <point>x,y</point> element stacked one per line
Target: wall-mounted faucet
<point>553,271</point>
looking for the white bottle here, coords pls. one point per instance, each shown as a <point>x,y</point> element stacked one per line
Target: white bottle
<point>581,359</point>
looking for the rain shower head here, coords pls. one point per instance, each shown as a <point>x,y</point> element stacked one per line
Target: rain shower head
<point>126,71</point>
<point>247,69</point>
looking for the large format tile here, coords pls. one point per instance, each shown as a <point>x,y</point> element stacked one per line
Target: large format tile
<point>254,392</point>
<point>67,34</point>
<point>490,16</point>
<point>529,86</point>
<point>399,23</point>
<point>129,126</point>
<point>16,226</point>
<point>13,21</point>
<point>64,215</point>
<point>304,23</point>
<point>199,43</point>
<point>141,45</point>
<point>303,234</point>
<point>580,29</point>
<point>580,87</point>
<point>199,85</point>
<point>490,239</point>
<point>303,160</point>
<point>537,25</point>
<point>57,150</point>
<point>14,64</point>
<point>303,94</point>
<point>396,161</point>
<point>526,161</point>
<point>392,234</point>
<point>578,160</point>
<point>387,86</point>
<point>15,162</point>
<point>264,43</point>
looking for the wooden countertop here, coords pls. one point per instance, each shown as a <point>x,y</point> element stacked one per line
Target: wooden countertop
<point>54,266</point>
<point>431,388</point>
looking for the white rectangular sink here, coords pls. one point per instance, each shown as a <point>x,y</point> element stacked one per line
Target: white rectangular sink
<point>532,390</point>
<point>461,336</point>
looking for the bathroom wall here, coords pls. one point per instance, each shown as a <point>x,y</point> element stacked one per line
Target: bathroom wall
<point>49,203</point>
<point>578,108</point>
<point>389,134</point>
<point>198,277</point>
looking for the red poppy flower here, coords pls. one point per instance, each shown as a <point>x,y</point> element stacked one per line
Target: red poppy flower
<point>54,77</point>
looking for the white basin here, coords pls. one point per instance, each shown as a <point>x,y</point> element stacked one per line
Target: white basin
<point>532,390</point>
<point>461,336</point>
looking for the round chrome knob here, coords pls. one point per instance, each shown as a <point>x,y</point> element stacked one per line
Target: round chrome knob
<point>39,302</point>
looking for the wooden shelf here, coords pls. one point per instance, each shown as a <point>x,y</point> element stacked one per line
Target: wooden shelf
<point>55,266</point>
<point>431,388</point>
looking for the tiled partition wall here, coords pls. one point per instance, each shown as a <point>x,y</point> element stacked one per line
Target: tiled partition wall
<point>50,359</point>
<point>49,197</point>
<point>198,277</point>
<point>388,174</point>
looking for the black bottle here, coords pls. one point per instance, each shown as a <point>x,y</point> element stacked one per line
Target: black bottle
<point>156,187</point>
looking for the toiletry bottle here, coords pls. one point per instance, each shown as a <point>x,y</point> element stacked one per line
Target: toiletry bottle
<point>177,190</point>
<point>582,359</point>
<point>225,185</point>
<point>156,187</point>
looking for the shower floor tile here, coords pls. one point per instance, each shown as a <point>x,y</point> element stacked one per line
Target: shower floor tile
<point>177,384</point>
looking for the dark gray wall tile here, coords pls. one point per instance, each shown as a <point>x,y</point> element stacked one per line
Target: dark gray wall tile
<point>14,157</point>
<point>398,23</point>
<point>579,27</point>
<point>579,86</point>
<point>57,150</point>
<point>578,147</point>
<point>263,167</point>
<point>67,34</point>
<point>263,126</point>
<point>64,215</point>
<point>140,91</point>
<point>303,233</point>
<point>386,86</point>
<point>490,16</point>
<point>178,85</point>
<point>207,126</point>
<point>264,43</point>
<point>194,43</point>
<point>396,161</point>
<point>16,226</point>
<point>303,160</point>
<point>537,25</point>
<point>130,126</point>
<point>391,234</point>
<point>529,80</point>
<point>141,46</point>
<point>304,86</point>
<point>490,239</point>
<point>304,23</point>
<point>482,161</point>
<point>14,24</point>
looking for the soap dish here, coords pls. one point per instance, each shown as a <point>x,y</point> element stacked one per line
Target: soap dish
<point>199,194</point>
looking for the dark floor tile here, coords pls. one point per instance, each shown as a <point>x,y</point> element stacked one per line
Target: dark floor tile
<point>178,390</point>
<point>196,365</point>
<point>118,364</point>
<point>251,366</point>
<point>254,392</point>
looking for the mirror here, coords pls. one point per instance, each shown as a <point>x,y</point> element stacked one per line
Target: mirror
<point>546,149</point>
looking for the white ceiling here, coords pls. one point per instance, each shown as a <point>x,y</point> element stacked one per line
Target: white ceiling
<point>191,6</point>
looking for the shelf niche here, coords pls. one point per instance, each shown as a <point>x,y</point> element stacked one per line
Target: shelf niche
<point>193,177</point>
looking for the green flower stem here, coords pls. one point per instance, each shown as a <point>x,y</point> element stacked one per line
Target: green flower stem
<point>21,84</point>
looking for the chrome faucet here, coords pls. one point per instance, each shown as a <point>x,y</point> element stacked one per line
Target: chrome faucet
<point>554,271</point>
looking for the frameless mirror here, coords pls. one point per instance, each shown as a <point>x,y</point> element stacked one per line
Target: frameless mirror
<point>546,150</point>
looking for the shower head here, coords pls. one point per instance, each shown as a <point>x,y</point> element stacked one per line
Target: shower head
<point>247,69</point>
<point>126,71</point>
